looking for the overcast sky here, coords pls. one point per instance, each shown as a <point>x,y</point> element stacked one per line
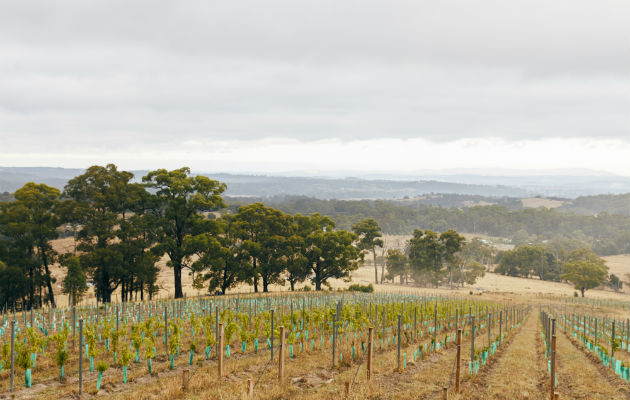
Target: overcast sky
<point>286,85</point>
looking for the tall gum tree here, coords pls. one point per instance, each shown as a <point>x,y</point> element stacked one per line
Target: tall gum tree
<point>331,254</point>
<point>180,200</point>
<point>265,233</point>
<point>369,233</point>
<point>41,200</point>
<point>100,200</point>
<point>27,225</point>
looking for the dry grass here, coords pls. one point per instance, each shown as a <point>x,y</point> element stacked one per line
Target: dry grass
<point>491,283</point>
<point>518,373</point>
<point>620,266</point>
<point>580,378</point>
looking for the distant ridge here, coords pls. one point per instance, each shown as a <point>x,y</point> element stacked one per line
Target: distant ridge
<point>262,185</point>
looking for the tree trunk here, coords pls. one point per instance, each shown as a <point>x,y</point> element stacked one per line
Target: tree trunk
<point>318,280</point>
<point>375,267</point>
<point>177,268</point>
<point>292,285</point>
<point>382,269</point>
<point>582,290</point>
<point>265,285</point>
<point>51,295</point>
<point>255,276</point>
<point>107,296</point>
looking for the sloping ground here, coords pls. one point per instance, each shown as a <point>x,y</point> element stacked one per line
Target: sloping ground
<point>518,374</point>
<point>620,266</point>
<point>580,378</point>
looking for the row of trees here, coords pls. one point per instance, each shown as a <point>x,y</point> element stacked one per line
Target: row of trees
<point>123,228</point>
<point>579,265</point>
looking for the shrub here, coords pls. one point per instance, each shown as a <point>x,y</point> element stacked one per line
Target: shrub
<point>361,288</point>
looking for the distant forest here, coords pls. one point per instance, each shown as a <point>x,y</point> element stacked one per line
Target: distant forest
<point>605,233</point>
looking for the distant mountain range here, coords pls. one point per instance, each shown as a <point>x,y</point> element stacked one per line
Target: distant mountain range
<point>518,186</point>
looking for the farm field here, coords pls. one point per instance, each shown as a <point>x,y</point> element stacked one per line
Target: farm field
<point>509,358</point>
<point>319,328</point>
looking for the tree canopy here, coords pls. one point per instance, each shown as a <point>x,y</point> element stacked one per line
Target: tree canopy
<point>585,274</point>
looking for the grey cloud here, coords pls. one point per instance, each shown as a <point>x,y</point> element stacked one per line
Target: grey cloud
<point>117,74</point>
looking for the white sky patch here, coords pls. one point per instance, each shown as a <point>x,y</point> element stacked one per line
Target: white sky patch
<point>330,156</point>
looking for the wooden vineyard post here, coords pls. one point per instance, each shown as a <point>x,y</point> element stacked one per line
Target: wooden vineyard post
<point>216,326</point>
<point>185,374</point>
<point>472,343</point>
<point>435,328</point>
<point>456,318</point>
<point>415,318</point>
<point>281,356</point>
<point>74,316</point>
<point>166,329</point>
<point>500,325</point>
<point>80,356</point>
<point>369,355</point>
<point>553,358</point>
<point>12,350</point>
<point>220,352</point>
<point>489,330</point>
<point>459,358</point>
<point>398,343</point>
<point>271,339</point>
<point>383,317</point>
<point>612,346</point>
<point>444,393</point>
<point>334,341</point>
<point>347,389</point>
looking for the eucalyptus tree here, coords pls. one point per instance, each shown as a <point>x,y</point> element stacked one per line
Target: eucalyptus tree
<point>222,260</point>
<point>27,226</point>
<point>101,200</point>
<point>369,234</point>
<point>265,233</point>
<point>75,281</point>
<point>297,262</point>
<point>330,253</point>
<point>432,256</point>
<point>179,203</point>
<point>425,256</point>
<point>452,243</point>
<point>397,265</point>
<point>585,274</point>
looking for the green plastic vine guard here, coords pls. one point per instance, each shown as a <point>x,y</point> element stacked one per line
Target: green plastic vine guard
<point>27,378</point>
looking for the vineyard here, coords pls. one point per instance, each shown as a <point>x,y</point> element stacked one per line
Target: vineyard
<point>332,345</point>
